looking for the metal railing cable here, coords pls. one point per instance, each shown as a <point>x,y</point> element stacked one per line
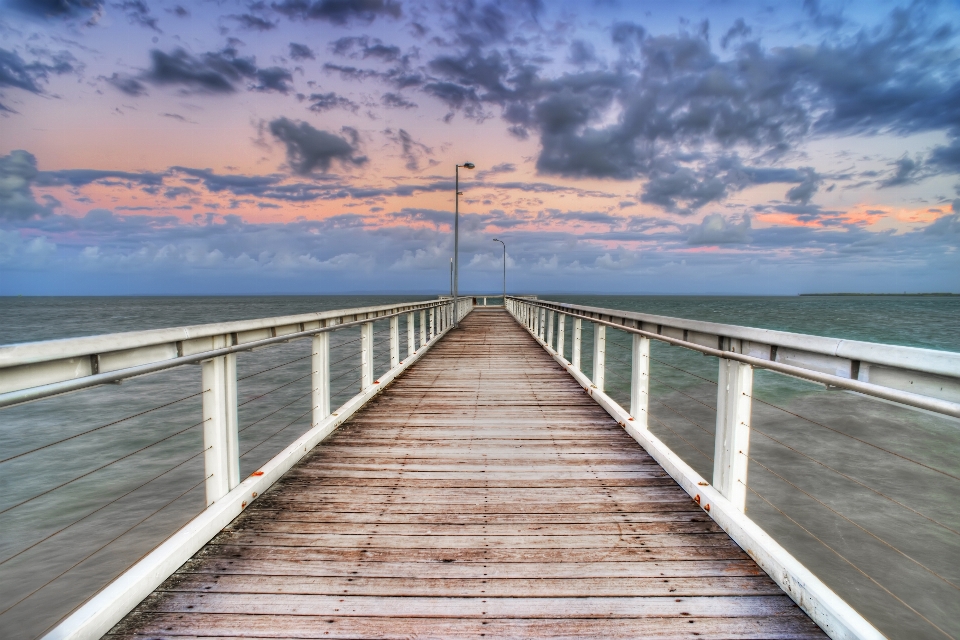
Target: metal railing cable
<point>101,467</point>
<point>659,381</point>
<point>857,525</point>
<point>753,428</point>
<point>102,547</point>
<point>276,433</point>
<point>103,426</point>
<point>102,507</point>
<point>860,440</point>
<point>346,388</point>
<point>272,368</point>
<point>713,382</point>
<point>708,457</point>
<point>275,411</point>
<point>691,421</point>
<point>847,560</point>
<point>286,384</point>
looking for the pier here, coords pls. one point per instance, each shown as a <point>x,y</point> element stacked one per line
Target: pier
<point>512,477</point>
<point>484,493</point>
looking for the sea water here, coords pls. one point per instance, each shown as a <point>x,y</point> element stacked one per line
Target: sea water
<point>838,478</point>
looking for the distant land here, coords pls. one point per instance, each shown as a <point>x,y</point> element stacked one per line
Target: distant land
<point>882,294</point>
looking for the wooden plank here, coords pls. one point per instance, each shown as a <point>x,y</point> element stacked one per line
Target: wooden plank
<point>483,494</point>
<point>574,587</point>
<point>170,625</point>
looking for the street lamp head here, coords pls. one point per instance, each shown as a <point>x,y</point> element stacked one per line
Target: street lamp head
<point>468,165</point>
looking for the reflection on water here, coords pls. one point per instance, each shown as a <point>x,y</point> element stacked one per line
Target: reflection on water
<point>870,479</point>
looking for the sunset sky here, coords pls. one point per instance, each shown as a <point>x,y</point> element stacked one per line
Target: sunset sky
<point>308,146</point>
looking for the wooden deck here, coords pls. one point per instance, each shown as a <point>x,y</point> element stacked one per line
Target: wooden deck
<point>484,494</point>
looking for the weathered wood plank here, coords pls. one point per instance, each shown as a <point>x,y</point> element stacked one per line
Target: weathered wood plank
<point>170,625</point>
<point>485,495</point>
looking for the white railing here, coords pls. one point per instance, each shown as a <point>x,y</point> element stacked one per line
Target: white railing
<point>921,378</point>
<point>34,371</point>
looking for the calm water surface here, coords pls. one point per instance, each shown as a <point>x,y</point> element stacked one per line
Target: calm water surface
<point>820,458</point>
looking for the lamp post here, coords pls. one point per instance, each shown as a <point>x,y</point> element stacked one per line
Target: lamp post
<point>504,270</point>
<point>456,242</point>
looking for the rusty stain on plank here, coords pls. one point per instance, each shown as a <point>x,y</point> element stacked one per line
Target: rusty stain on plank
<point>482,495</point>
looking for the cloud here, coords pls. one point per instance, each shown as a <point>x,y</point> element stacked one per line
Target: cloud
<point>947,158</point>
<point>18,172</point>
<point>301,52</point>
<point>309,148</point>
<point>138,13</point>
<point>412,152</point>
<point>907,171</point>
<point>254,23</point>
<point>327,101</point>
<point>212,72</point>
<point>215,72</point>
<point>338,12</point>
<point>81,177</point>
<point>397,101</point>
<point>15,72</point>
<point>63,9</point>
<point>715,229</point>
<point>805,190</point>
<point>273,79</point>
<point>127,84</point>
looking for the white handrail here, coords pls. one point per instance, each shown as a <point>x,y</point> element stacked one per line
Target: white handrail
<point>725,499</point>
<point>214,346</point>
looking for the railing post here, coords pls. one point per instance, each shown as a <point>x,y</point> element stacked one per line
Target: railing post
<point>432,321</point>
<point>423,327</point>
<point>411,336</point>
<point>577,342</point>
<point>732,448</point>
<point>561,329</point>
<point>640,381</point>
<point>366,355</point>
<point>599,353</point>
<point>394,341</point>
<point>320,365</point>
<point>541,322</point>
<point>221,455</point>
<point>550,329</point>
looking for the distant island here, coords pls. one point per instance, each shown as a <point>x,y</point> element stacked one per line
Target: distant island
<point>935,295</point>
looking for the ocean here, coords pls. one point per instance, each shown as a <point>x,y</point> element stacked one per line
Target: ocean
<point>860,490</point>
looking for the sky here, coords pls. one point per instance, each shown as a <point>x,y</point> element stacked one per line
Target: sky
<point>310,146</point>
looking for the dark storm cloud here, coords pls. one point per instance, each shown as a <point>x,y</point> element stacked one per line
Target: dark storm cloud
<point>309,148</point>
<point>339,12</point>
<point>326,101</point>
<point>215,72</point>
<point>18,173</point>
<point>301,52</point>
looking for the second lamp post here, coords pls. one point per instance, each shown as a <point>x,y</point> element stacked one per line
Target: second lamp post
<point>456,242</point>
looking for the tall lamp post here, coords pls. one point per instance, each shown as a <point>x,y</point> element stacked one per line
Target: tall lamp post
<point>504,270</point>
<point>456,242</point>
